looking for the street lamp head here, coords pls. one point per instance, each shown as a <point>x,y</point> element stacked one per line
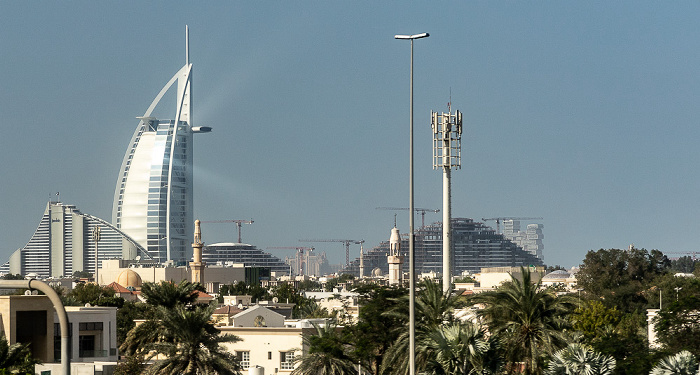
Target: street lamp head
<point>414,36</point>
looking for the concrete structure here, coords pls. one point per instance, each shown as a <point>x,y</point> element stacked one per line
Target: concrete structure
<point>651,329</point>
<point>344,302</point>
<point>271,349</point>
<point>447,154</point>
<point>395,260</point>
<point>30,319</point>
<point>63,243</point>
<point>492,277</point>
<point>258,316</point>
<point>114,270</point>
<point>93,341</point>
<point>560,278</point>
<point>197,266</point>
<point>153,197</point>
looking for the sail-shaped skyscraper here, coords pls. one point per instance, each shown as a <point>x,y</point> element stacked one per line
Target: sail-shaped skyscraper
<point>153,196</point>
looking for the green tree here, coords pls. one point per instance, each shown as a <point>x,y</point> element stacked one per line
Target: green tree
<point>125,318</point>
<point>82,274</point>
<point>529,322</point>
<point>433,309</point>
<point>342,279</point>
<point>9,276</point>
<point>678,326</point>
<point>618,277</point>
<point>592,317</point>
<point>683,363</point>
<point>93,294</point>
<point>684,264</point>
<point>581,360</point>
<point>131,365</point>
<point>376,331</point>
<point>329,354</point>
<point>191,344</point>
<point>16,358</point>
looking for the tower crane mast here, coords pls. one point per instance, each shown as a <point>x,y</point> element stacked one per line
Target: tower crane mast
<point>347,246</point>
<point>422,211</point>
<point>239,224</point>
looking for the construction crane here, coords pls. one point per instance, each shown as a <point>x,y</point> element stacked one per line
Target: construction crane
<point>694,254</point>
<point>421,210</point>
<point>239,224</point>
<point>347,246</point>
<point>499,219</point>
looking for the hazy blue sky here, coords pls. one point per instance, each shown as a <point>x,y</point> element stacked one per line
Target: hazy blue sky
<point>585,113</point>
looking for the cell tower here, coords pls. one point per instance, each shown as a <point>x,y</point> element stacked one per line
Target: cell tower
<point>447,154</point>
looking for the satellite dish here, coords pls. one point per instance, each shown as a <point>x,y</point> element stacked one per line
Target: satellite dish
<point>240,306</point>
<point>27,292</point>
<point>138,257</point>
<point>275,299</point>
<point>88,305</point>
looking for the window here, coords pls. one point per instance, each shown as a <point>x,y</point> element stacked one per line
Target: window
<point>244,359</point>
<point>286,360</point>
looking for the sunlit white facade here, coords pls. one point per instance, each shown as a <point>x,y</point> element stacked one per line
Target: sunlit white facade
<point>153,196</point>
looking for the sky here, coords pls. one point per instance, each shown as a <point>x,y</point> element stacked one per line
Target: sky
<point>582,113</point>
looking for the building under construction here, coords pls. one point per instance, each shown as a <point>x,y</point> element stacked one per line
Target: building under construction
<point>475,246</point>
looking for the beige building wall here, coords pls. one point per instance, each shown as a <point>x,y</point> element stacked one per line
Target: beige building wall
<point>492,277</point>
<point>216,274</point>
<point>29,319</point>
<point>268,347</point>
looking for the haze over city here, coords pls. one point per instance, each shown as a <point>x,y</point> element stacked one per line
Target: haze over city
<point>582,113</point>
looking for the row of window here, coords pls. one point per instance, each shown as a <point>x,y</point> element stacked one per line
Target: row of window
<point>286,359</point>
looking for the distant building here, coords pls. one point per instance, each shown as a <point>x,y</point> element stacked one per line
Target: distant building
<point>475,246</point>
<point>308,263</point>
<point>248,255</point>
<point>64,243</point>
<point>131,274</point>
<point>530,240</point>
<point>153,197</point>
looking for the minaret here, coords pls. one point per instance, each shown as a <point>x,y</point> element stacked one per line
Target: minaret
<point>362,262</point>
<point>394,259</point>
<point>197,267</point>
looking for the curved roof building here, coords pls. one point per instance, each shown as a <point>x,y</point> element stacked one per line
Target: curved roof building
<point>153,196</point>
<point>64,243</point>
<point>475,246</point>
<point>249,255</point>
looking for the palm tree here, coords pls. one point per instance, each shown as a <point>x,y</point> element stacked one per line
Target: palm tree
<point>457,348</point>
<point>15,358</point>
<point>328,354</point>
<point>434,308</point>
<point>682,363</point>
<point>580,359</point>
<point>527,320</point>
<point>169,294</point>
<point>191,344</point>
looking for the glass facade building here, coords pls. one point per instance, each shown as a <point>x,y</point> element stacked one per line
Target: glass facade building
<point>153,198</point>
<point>64,242</point>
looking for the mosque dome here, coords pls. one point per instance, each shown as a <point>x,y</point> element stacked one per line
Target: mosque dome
<point>377,272</point>
<point>129,278</point>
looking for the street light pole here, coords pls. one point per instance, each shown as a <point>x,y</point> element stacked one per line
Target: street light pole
<point>411,242</point>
